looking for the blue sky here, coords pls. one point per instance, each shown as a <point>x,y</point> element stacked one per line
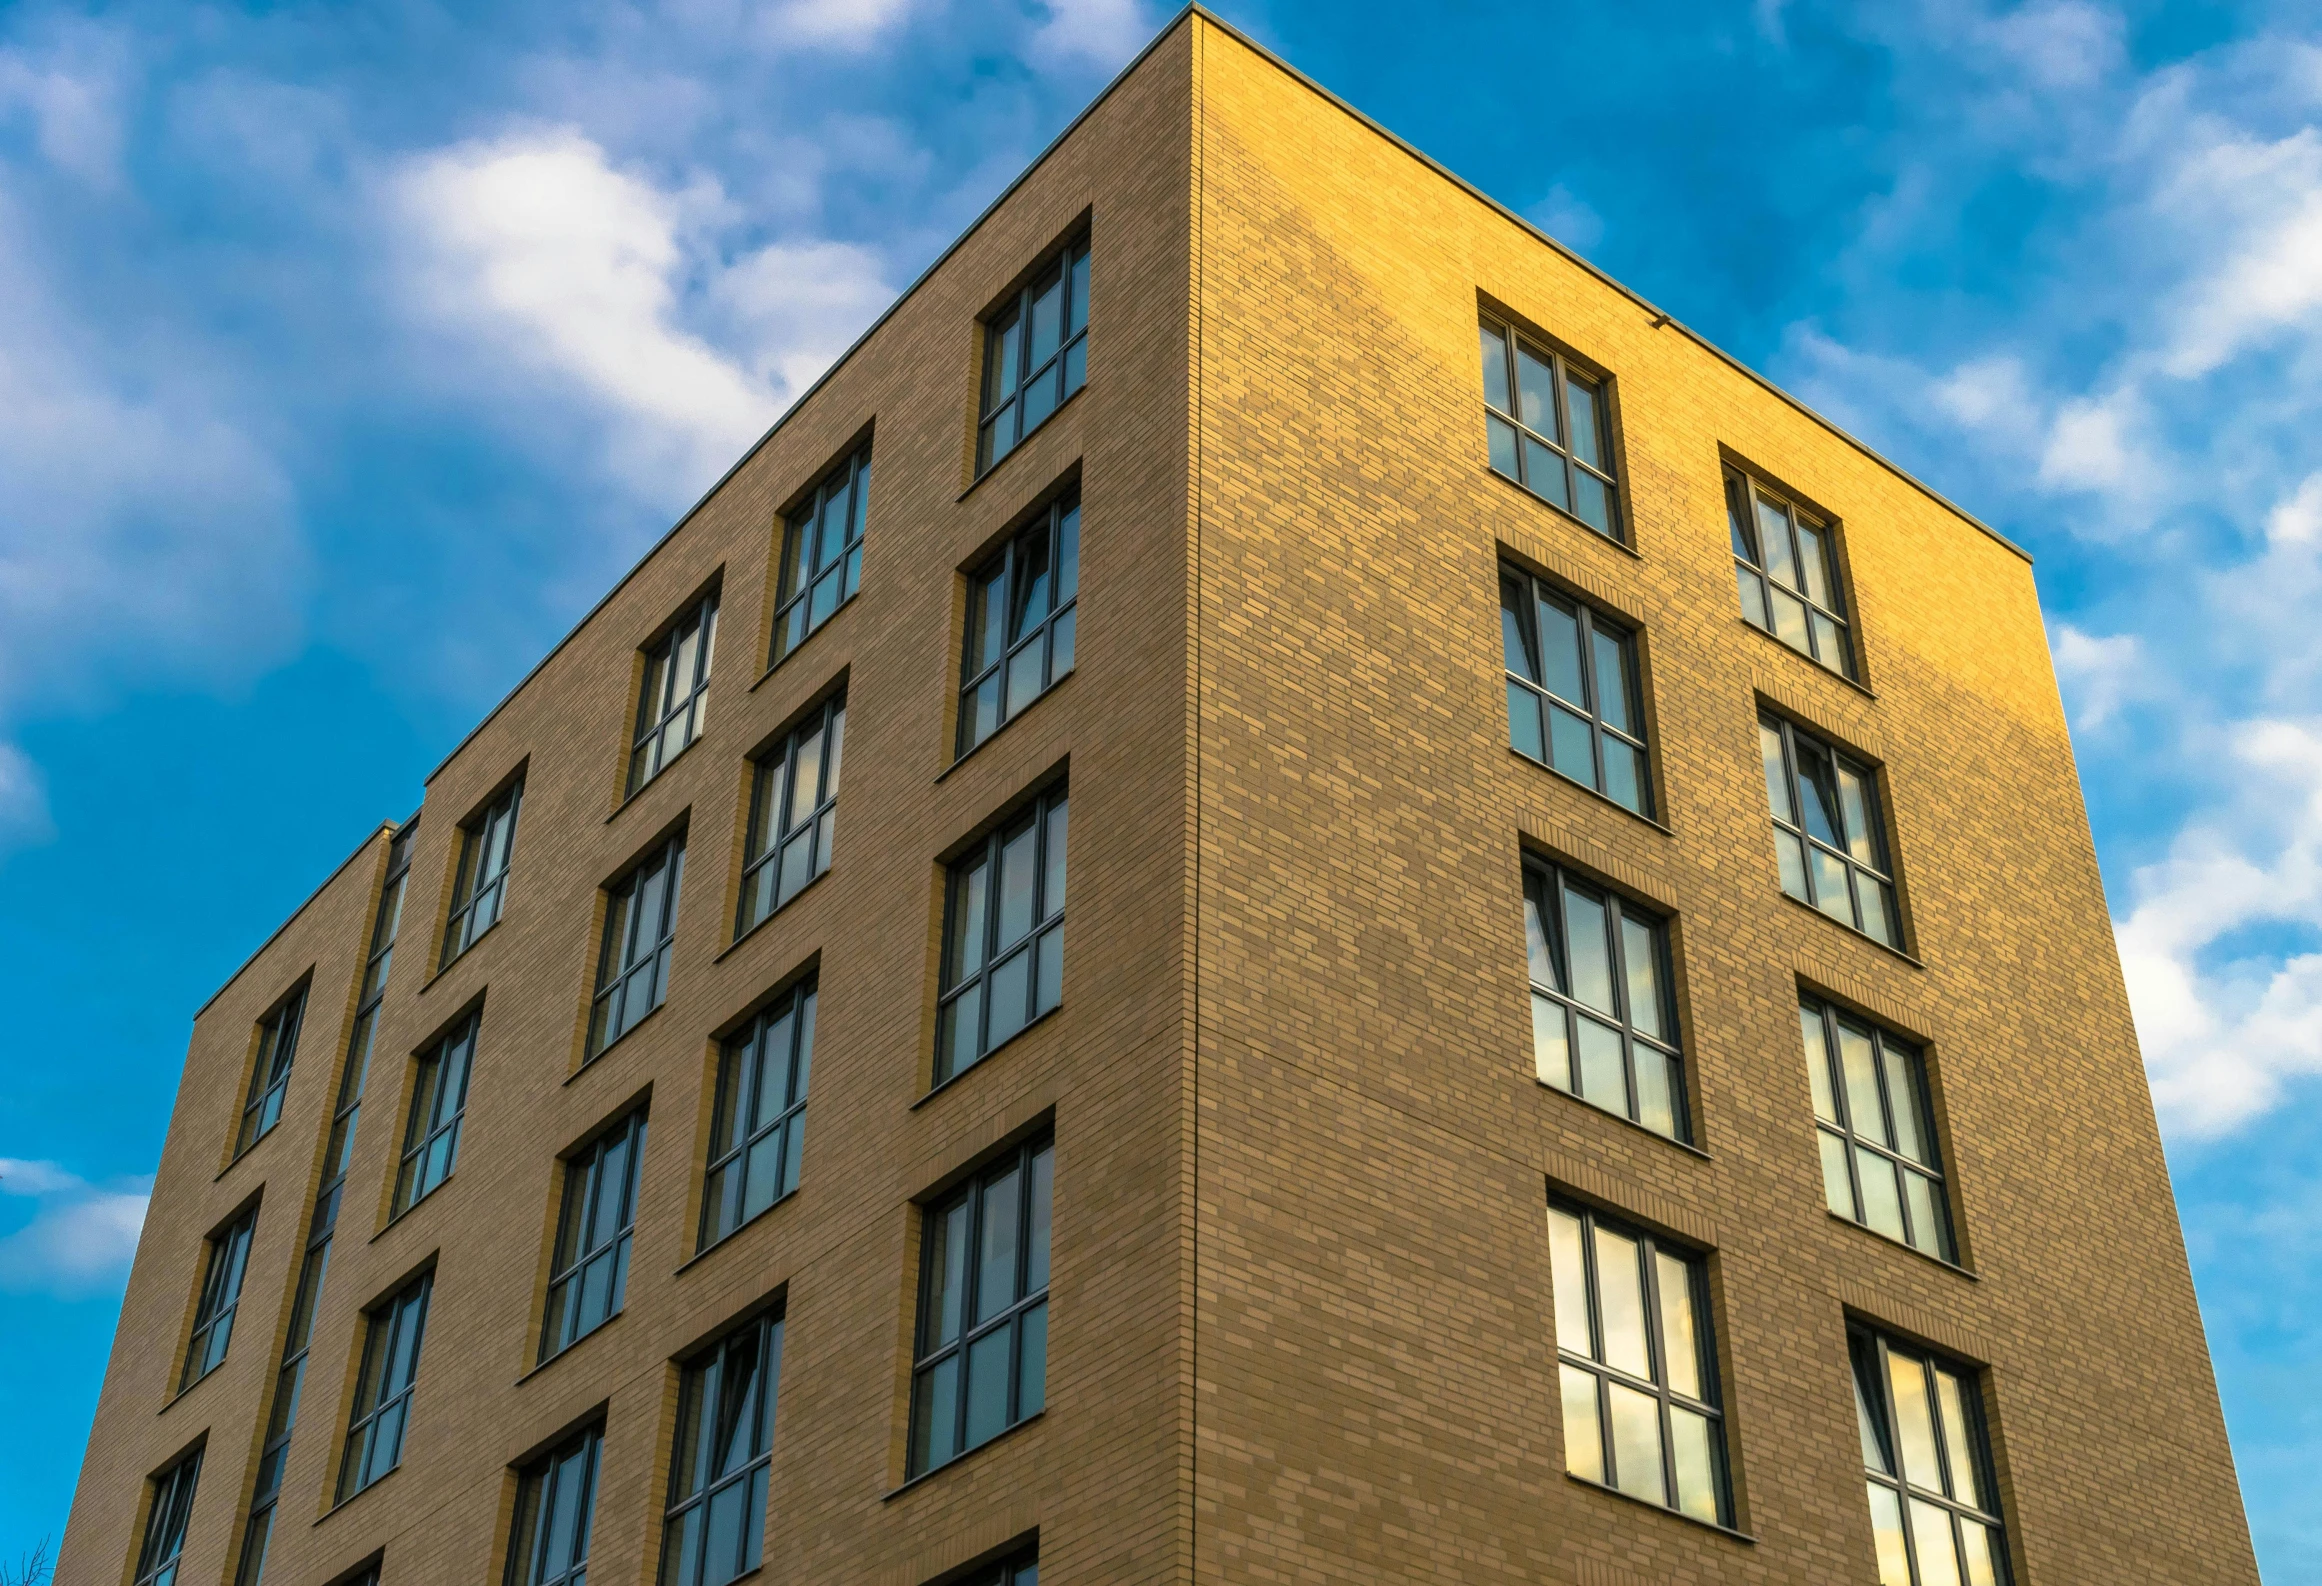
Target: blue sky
<point>348,353</point>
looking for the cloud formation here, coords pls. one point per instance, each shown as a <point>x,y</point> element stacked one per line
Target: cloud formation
<point>81,1236</point>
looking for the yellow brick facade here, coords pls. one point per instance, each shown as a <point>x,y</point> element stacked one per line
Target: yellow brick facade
<point>1301,1304</point>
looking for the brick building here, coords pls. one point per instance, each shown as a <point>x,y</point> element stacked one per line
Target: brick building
<point>1585,1044</point>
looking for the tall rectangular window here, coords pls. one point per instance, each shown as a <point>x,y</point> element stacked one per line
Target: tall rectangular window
<point>1021,614</point>
<point>1019,1569</point>
<point>548,1545</point>
<point>1035,355</point>
<point>1828,837</point>
<point>715,1526</point>
<point>793,813</point>
<point>1604,1021</point>
<point>282,1414</point>
<point>391,1339</point>
<point>1639,1371</point>
<point>1574,703</point>
<point>981,1362</point>
<point>165,1522</point>
<point>822,554</point>
<point>270,1074</point>
<point>759,1127</point>
<point>1549,428</point>
<point>590,1269</point>
<point>1786,564</point>
<point>1003,936</point>
<point>221,1295</point>
<point>1926,1456</point>
<point>1872,1116</point>
<point>640,933</point>
<point>439,1095</point>
<point>480,885</point>
<point>673,703</point>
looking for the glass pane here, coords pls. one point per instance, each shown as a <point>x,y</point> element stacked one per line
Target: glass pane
<point>1693,1449</point>
<point>935,1417</point>
<point>1621,1303</point>
<point>1837,1188</point>
<point>948,1262</point>
<point>1516,646</point>
<point>1830,890</point>
<point>1818,786</point>
<point>1550,1058</point>
<point>1931,1541</point>
<point>1010,987</point>
<point>1031,1362</point>
<point>1539,962</point>
<point>1024,676</point>
<point>1907,1393</point>
<point>1587,953</point>
<point>1636,1443</point>
<point>1612,679</point>
<point>1584,403</point>
<point>1624,774</point>
<point>958,1039</point>
<point>1680,1342</point>
<point>987,1385</point>
<point>1777,777</point>
<point>1047,322</point>
<point>1912,1137</point>
<point>1774,541</point>
<point>1979,1545</point>
<point>1536,388</point>
<point>1879,918</point>
<point>1016,860</point>
<point>1926,1220</point>
<point>967,920</point>
<point>1048,981</point>
<point>1790,855</point>
<point>1641,958</point>
<point>1814,566</point>
<point>1861,831</point>
<point>1572,745</point>
<point>1887,1530</point>
<point>1060,644</point>
<point>1524,721</point>
<point>722,1540</point>
<point>1043,1201</point>
<point>1737,521</point>
<point>1000,370</point>
<point>824,599</point>
<point>1829,644</point>
<point>1560,652</point>
<point>1570,1280</point>
<point>1949,1399</point>
<point>1810,1031</point>
<point>1603,1079</point>
<point>1583,1439</point>
<point>1544,472</point>
<point>1591,502</point>
<point>1501,437</point>
<point>997,1246</point>
<point>1656,1091</point>
<point>1753,596</point>
<point>1040,397</point>
<point>1494,348</point>
<point>1862,1374</point>
<point>1882,1202</point>
<point>1052,885</point>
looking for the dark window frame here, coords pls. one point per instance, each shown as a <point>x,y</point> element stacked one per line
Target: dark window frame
<point>1015,364</point>
<point>1032,1168</point>
<point>1043,652</point>
<point>394,1331</point>
<point>745,1062</point>
<point>969,985</point>
<point>646,895</point>
<point>1550,462</point>
<point>705,1378</point>
<point>673,695</point>
<point>768,882</point>
<point>278,1034</point>
<point>821,554</point>
<point>588,1178</point>
<point>1561,1017</point>
<point>1871,1353</point>
<point>480,883</point>
<point>1894,1065</point>
<point>1524,657</point>
<point>1021,1567</point>
<point>1784,748</point>
<point>167,1516</point>
<point>530,1540</point>
<point>219,1298</point>
<point>1707,1403</point>
<point>416,1174</point>
<point>1821,625</point>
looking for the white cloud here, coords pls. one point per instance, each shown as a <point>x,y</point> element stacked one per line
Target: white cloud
<point>1567,217</point>
<point>1101,33</point>
<point>81,1237</point>
<point>835,24</point>
<point>2059,43</point>
<point>2098,674</point>
<point>72,91</point>
<point>2260,203</point>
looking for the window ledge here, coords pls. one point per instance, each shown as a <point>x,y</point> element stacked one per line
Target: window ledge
<point>397,1220</point>
<point>961,1074</point>
<point>1575,782</point>
<point>1858,935</point>
<point>1004,726</point>
<point>628,799</point>
<point>1952,1267</point>
<point>775,666</point>
<point>475,942</point>
<point>1581,1101</point>
<point>541,1366</point>
<point>975,483</point>
<point>598,1056</point>
<point>378,1482</point>
<point>1832,672</point>
<point>956,1460</point>
<point>708,1250</point>
<point>1580,523</point>
<point>181,1394</point>
<point>243,1155</point>
<point>1726,1531</point>
<point>735,945</point>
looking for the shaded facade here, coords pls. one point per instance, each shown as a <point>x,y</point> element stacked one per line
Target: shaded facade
<point>1285,891</point>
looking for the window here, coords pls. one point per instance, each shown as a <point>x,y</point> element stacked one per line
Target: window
<point>1021,1569</point>
<point>640,928</point>
<point>391,1338</point>
<point>822,554</point>
<point>480,886</point>
<point>1638,1368</point>
<point>591,1265</point>
<point>1003,937</point>
<point>759,1126</point>
<point>1035,355</point>
<point>221,1293</point>
<point>439,1094</point>
<point>1927,1461</point>
<point>981,1363</point>
<point>549,1543</point>
<point>1604,1025</point>
<point>1575,670</point>
<point>282,1415</point>
<point>1786,563</point>
<point>1827,834</point>
<point>1871,1112</point>
<point>1548,428</point>
<point>270,1074</point>
<point>1020,619</point>
<point>716,1520</point>
<point>673,703</point>
<point>173,1495</point>
<point>793,813</point>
